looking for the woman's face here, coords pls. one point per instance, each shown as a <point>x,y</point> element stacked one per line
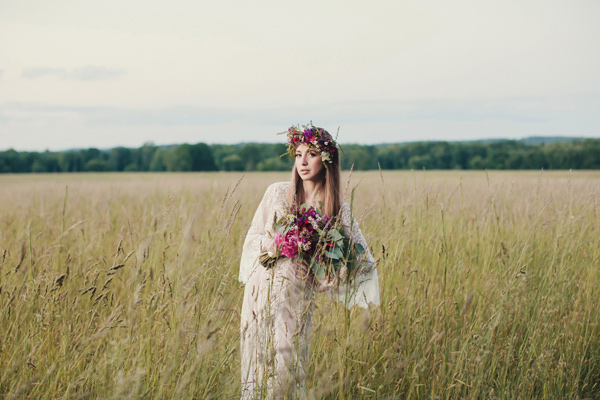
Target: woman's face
<point>308,163</point>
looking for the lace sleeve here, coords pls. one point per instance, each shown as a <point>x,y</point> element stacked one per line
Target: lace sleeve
<point>364,288</point>
<point>260,233</point>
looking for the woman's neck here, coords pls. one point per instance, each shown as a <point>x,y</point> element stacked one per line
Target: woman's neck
<point>312,191</point>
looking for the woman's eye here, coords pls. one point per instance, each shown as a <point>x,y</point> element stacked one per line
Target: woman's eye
<point>298,155</point>
<point>313,154</point>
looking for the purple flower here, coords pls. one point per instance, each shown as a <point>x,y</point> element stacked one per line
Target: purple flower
<point>309,136</point>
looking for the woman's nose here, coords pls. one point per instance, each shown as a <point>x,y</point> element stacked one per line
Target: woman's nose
<point>304,160</point>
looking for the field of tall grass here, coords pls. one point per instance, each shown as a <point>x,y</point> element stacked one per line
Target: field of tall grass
<point>125,286</point>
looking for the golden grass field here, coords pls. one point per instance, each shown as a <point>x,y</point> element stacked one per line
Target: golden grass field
<point>125,286</point>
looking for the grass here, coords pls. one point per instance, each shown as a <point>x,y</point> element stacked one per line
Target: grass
<point>125,286</point>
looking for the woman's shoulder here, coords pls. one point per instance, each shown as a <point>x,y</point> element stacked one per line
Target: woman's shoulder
<point>345,208</point>
<point>346,212</point>
<point>277,190</point>
<point>278,187</point>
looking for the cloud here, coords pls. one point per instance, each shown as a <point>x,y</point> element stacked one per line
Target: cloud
<point>91,73</point>
<point>87,74</point>
<point>34,73</point>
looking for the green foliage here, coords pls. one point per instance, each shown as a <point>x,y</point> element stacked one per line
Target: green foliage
<point>96,165</point>
<point>202,158</point>
<point>158,161</point>
<point>500,154</point>
<point>273,164</point>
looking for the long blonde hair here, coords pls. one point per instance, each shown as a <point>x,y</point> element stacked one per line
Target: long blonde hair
<point>330,175</point>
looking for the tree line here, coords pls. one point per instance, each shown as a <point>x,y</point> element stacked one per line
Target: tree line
<point>502,154</point>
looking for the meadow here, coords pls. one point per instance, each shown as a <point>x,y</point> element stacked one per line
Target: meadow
<point>125,286</point>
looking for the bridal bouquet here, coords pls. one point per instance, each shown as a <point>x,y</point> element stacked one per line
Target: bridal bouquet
<point>306,236</point>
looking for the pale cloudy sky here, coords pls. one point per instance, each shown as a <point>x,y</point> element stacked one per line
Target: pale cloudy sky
<point>82,73</point>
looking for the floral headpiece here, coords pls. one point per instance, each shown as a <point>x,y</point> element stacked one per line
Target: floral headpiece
<point>314,138</point>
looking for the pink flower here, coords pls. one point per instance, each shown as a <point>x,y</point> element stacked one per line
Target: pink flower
<point>278,238</point>
<point>289,247</point>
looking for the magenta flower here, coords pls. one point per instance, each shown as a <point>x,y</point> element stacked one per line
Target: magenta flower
<point>289,247</point>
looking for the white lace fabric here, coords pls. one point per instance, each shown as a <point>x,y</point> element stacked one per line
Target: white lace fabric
<point>276,318</point>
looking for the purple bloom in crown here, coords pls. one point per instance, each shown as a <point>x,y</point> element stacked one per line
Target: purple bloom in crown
<point>309,136</point>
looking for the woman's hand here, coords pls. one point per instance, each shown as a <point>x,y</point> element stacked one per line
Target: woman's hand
<point>268,244</point>
<point>303,274</point>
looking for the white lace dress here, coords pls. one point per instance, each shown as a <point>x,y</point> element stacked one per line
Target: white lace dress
<point>276,318</point>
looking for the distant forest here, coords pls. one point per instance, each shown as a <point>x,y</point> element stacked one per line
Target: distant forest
<point>499,154</point>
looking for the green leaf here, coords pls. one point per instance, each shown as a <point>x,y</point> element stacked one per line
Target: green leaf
<point>338,252</point>
<point>319,271</point>
<point>351,265</point>
<point>335,235</point>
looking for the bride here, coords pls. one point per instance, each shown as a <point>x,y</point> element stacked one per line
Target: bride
<point>276,318</point>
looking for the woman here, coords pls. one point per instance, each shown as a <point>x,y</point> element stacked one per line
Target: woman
<point>278,302</point>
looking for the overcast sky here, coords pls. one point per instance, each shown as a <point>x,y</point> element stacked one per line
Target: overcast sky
<point>121,73</point>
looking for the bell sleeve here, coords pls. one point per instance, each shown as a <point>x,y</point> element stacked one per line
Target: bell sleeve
<point>363,288</point>
<point>259,236</point>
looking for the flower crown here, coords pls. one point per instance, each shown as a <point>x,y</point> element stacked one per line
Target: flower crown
<point>314,138</point>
